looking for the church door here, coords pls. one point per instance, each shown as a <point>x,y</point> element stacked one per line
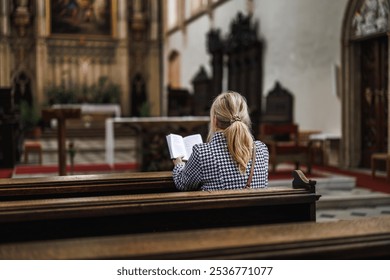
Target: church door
<point>374,100</point>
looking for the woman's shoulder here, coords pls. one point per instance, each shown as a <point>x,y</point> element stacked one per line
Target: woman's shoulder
<point>206,147</point>
<point>201,146</point>
<point>198,148</point>
<point>201,151</point>
<point>260,144</point>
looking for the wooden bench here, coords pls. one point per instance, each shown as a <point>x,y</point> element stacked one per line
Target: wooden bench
<point>54,218</point>
<point>352,239</point>
<point>86,185</point>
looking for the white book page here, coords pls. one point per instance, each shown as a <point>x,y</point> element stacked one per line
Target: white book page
<point>189,142</point>
<point>176,146</point>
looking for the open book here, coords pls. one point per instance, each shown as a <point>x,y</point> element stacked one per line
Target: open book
<point>182,146</point>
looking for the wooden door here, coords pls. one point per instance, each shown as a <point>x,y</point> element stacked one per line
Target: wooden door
<point>374,101</point>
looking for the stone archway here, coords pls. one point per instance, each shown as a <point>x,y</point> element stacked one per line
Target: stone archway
<point>365,79</point>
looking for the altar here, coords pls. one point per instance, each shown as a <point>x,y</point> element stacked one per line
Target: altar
<point>152,150</point>
<point>111,109</point>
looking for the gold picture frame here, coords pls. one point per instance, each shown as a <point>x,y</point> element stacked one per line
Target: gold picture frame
<point>81,17</point>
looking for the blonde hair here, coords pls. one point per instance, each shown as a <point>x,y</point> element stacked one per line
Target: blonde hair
<point>229,114</point>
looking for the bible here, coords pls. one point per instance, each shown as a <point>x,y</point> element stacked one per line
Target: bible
<point>180,146</point>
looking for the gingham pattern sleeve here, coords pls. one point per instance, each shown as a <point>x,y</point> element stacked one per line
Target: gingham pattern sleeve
<point>188,176</point>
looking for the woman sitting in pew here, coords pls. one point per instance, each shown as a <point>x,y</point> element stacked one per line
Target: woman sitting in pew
<point>226,160</point>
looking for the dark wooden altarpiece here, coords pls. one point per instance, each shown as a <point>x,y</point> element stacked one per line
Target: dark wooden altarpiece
<point>244,54</point>
<point>374,100</point>
<point>240,51</point>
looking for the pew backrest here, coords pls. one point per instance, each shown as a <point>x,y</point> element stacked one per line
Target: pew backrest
<point>86,185</point>
<point>367,238</point>
<point>106,215</point>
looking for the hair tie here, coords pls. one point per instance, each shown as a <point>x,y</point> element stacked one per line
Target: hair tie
<point>235,118</point>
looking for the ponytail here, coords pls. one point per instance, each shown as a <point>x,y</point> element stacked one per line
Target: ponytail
<point>229,114</point>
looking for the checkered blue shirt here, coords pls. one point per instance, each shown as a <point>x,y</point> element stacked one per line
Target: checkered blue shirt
<point>211,167</point>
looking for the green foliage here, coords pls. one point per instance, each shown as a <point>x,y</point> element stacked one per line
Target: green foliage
<point>145,109</point>
<point>60,95</point>
<point>105,91</point>
<point>29,116</point>
<point>102,92</point>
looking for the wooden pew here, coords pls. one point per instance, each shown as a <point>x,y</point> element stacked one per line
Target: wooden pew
<point>367,238</point>
<point>86,185</point>
<point>40,219</point>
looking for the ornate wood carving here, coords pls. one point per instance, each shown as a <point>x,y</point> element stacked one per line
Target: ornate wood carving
<point>215,46</point>
<point>179,102</point>
<point>374,99</point>
<point>243,51</point>
<point>22,41</point>
<point>279,106</point>
<point>371,18</point>
<point>202,86</point>
<point>22,17</point>
<point>365,77</point>
<point>102,51</point>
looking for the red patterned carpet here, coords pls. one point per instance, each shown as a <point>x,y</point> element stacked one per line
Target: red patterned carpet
<point>6,173</point>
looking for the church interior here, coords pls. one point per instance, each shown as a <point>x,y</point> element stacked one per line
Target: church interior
<point>90,88</point>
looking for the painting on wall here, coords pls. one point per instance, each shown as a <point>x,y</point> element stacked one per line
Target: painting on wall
<point>80,17</point>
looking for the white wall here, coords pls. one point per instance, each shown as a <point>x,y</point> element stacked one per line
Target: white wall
<point>302,45</point>
<point>301,49</point>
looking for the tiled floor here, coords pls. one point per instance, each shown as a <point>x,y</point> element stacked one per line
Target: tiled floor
<point>340,198</point>
<point>88,151</point>
<point>352,213</point>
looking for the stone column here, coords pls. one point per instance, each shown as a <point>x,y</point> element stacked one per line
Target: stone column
<point>155,69</point>
<point>122,19</point>
<point>5,52</point>
<point>41,51</point>
<point>122,56</point>
<point>4,19</point>
<point>42,18</point>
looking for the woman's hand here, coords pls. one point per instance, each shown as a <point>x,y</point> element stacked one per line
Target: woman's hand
<point>178,160</point>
